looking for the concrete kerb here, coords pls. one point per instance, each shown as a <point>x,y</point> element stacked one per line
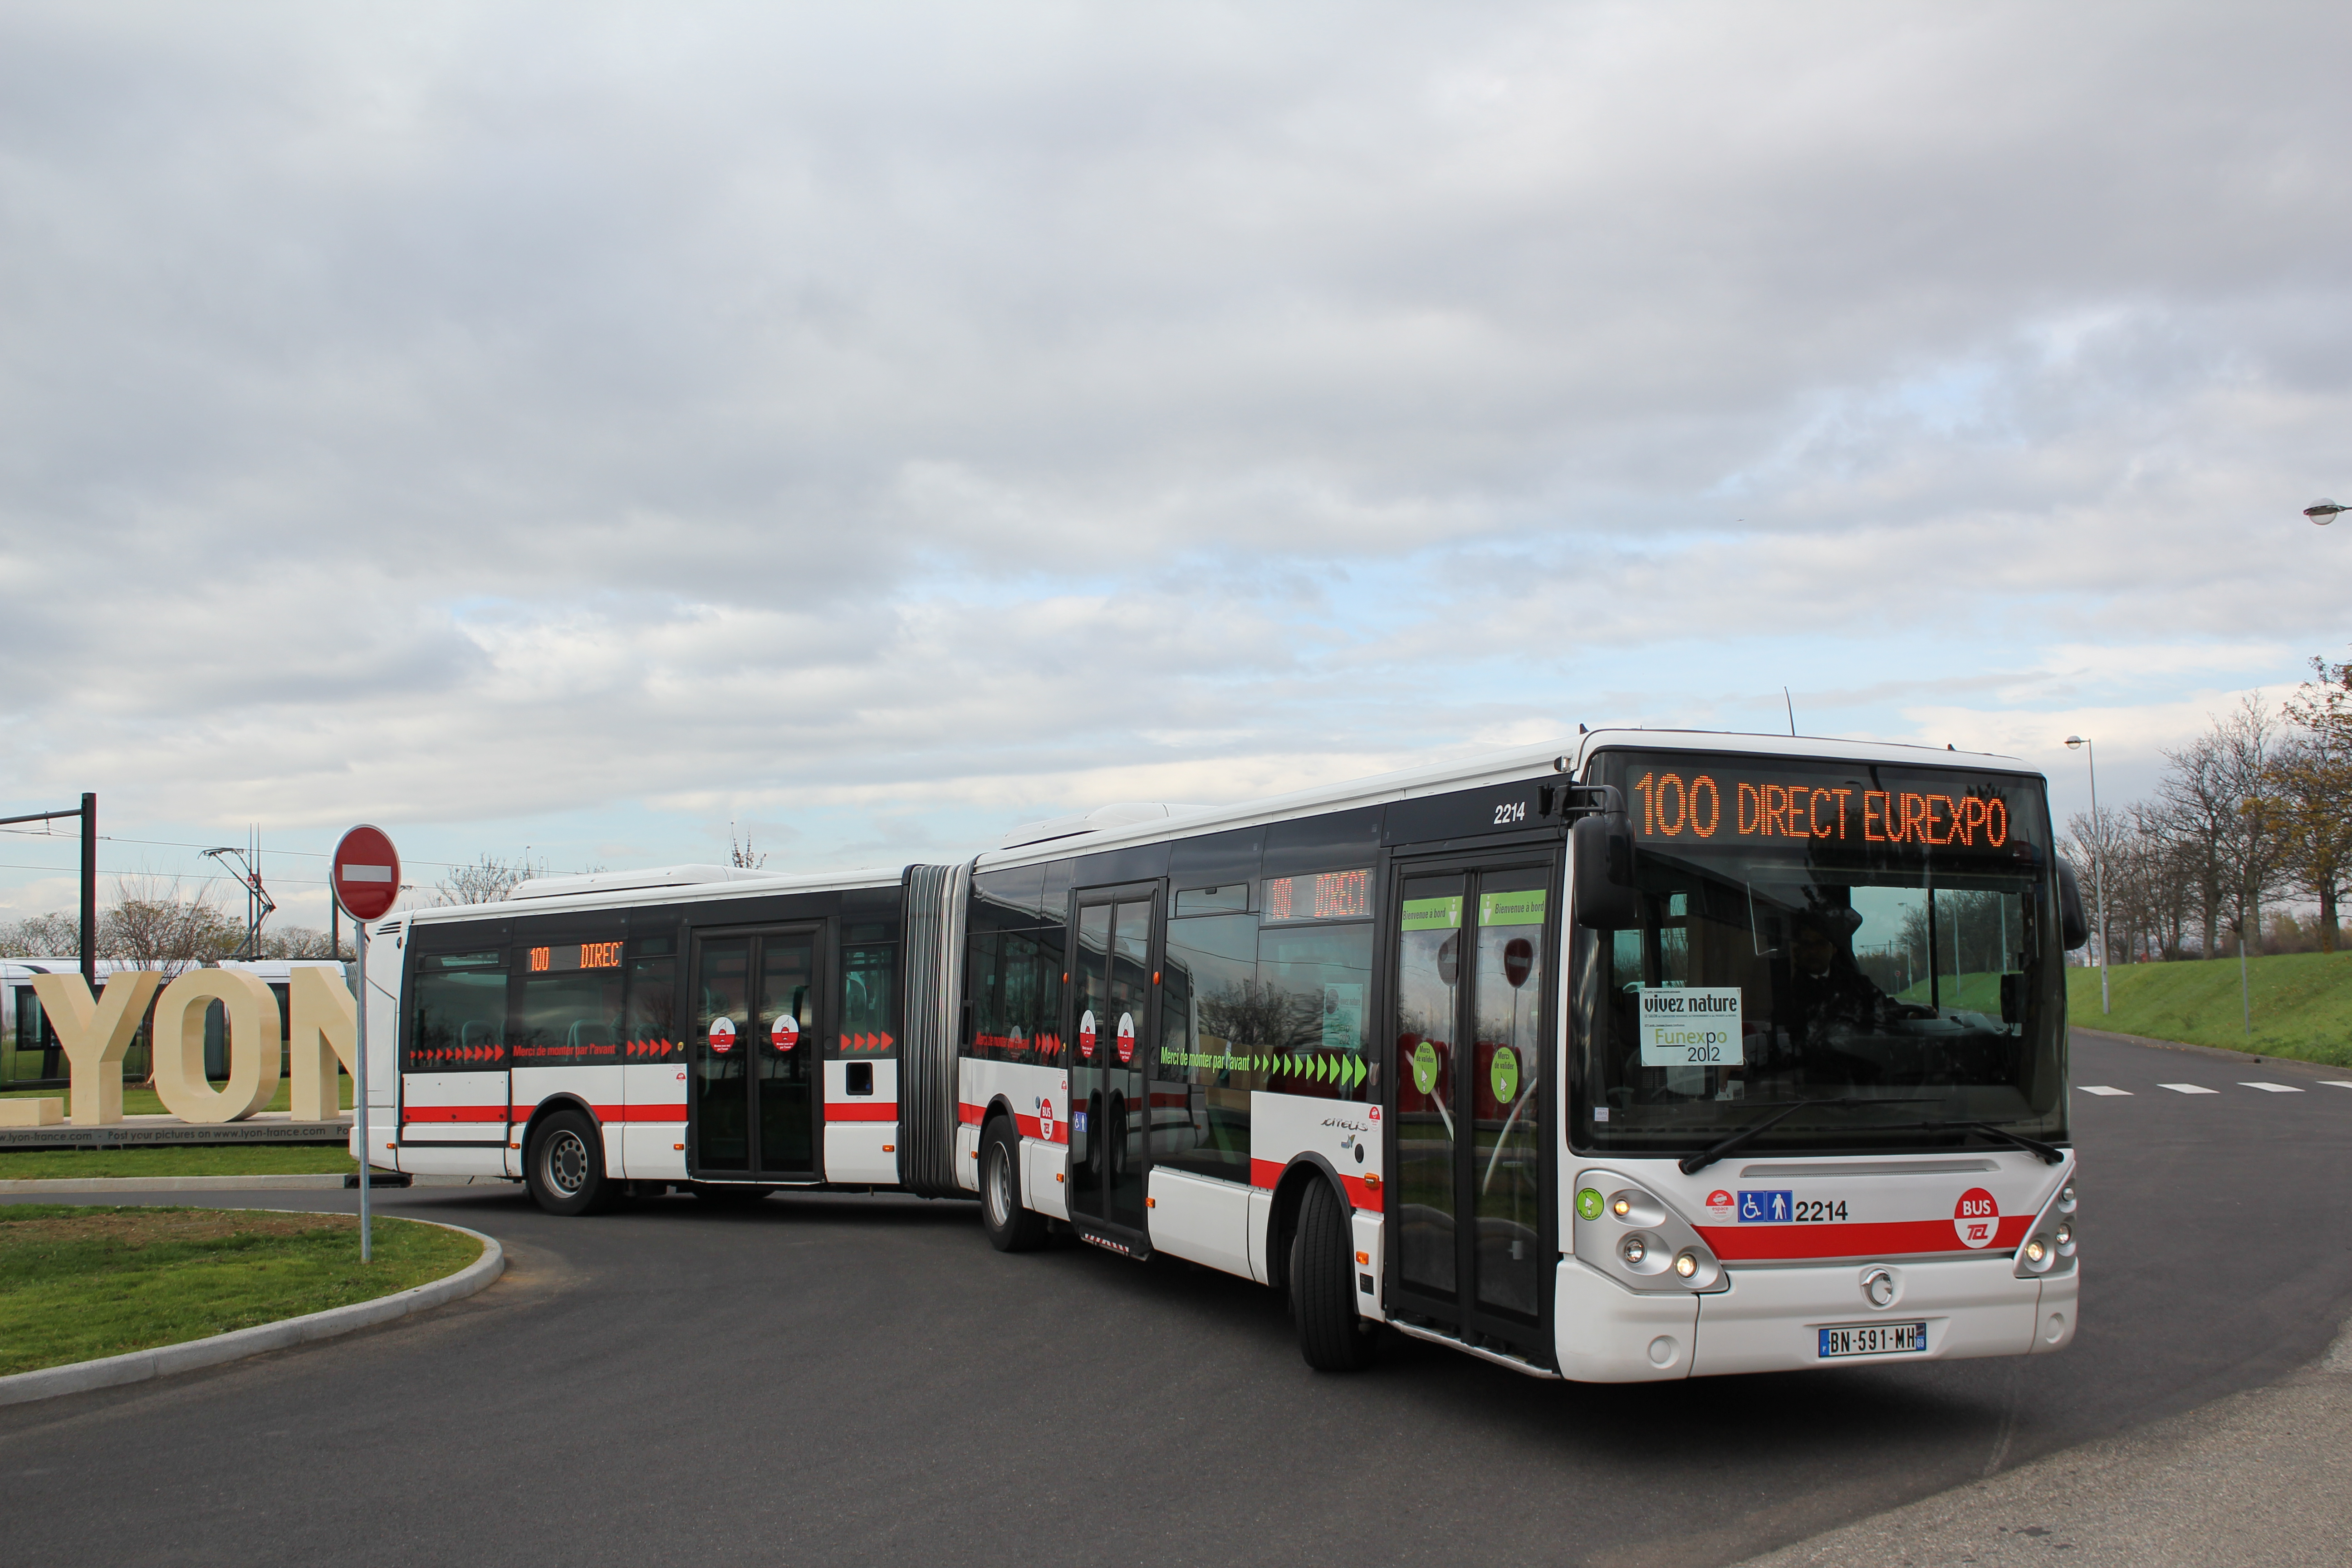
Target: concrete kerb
<point>299,1182</point>
<point>138,1366</point>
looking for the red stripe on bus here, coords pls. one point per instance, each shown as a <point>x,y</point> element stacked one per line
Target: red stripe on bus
<point>1744,1243</point>
<point>1032,1127</point>
<point>673,1111</point>
<point>496,1113</point>
<point>854,1110</point>
<point>1364,1194</point>
<point>972,1114</point>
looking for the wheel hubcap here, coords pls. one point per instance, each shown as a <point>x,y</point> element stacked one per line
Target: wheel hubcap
<point>567,1164</point>
<point>1000,1187</point>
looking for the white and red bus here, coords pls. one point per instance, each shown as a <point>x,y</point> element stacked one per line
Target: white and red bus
<point>1652,1056</point>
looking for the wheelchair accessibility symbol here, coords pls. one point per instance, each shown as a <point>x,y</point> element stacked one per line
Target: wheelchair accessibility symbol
<point>1764,1208</point>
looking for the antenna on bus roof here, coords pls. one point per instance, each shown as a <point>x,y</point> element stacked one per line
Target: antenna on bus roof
<point>1792,712</point>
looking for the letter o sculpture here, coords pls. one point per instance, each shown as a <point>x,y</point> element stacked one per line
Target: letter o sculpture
<point>255,1044</point>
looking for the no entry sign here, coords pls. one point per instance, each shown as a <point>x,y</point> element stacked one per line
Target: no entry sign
<point>366,874</point>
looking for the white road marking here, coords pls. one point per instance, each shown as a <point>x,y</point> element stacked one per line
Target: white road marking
<point>2101,1089</point>
<point>2269,1087</point>
<point>2187,1089</point>
<point>2338,1082</point>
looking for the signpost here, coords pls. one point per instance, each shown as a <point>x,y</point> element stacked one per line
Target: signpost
<point>365,876</point>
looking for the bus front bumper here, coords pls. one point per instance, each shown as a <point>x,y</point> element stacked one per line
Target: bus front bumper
<point>1768,1319</point>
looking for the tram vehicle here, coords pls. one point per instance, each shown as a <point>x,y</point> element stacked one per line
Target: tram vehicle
<point>1649,1055</point>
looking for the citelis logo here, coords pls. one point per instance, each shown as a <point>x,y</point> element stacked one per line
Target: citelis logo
<point>1587,1203</point>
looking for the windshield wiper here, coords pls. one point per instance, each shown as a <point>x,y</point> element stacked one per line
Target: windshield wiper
<point>1692,1165</point>
<point>2050,1154</point>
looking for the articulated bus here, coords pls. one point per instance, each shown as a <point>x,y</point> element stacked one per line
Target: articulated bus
<point>1648,1056</point>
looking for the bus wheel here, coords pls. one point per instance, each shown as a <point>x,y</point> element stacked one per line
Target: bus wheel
<point>1012,1228</point>
<point>565,1171</point>
<point>1332,1335</point>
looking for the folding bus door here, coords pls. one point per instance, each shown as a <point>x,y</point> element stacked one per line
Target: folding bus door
<point>1114,1026</point>
<point>752,1056</point>
<point>1472,1245</point>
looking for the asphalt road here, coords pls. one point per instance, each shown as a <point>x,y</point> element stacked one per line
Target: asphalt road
<point>851,1380</point>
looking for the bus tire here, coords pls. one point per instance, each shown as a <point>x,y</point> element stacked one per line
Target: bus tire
<point>1011,1226</point>
<point>565,1171</point>
<point>1332,1335</point>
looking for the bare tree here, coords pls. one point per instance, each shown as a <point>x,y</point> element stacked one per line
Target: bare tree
<point>2311,786</point>
<point>302,941</point>
<point>488,881</point>
<point>53,936</point>
<point>742,854</point>
<point>153,926</point>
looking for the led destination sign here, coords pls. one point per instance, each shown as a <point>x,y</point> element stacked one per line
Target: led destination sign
<point>1726,800</point>
<point>582,955</point>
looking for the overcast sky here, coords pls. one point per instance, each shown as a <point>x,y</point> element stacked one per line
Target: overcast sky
<point>580,426</point>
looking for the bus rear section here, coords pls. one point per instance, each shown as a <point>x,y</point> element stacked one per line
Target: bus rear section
<point>730,1034</point>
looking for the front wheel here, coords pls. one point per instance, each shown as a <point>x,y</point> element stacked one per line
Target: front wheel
<point>1011,1226</point>
<point>565,1172</point>
<point>1332,1335</point>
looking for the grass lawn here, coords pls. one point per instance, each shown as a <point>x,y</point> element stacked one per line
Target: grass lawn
<point>139,1101</point>
<point>2303,1003</point>
<point>79,1281</point>
<point>225,1160</point>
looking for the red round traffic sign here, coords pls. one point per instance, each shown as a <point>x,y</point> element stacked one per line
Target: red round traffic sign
<point>365,874</point>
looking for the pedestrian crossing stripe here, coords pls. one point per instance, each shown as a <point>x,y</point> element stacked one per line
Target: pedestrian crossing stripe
<point>2187,1089</point>
<point>2102,1089</point>
<point>2268,1088</point>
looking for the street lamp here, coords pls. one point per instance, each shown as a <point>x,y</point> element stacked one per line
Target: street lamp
<point>2098,860</point>
<point>2323,512</point>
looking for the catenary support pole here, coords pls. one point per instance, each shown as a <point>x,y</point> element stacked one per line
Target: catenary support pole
<point>2246,987</point>
<point>360,1093</point>
<point>89,891</point>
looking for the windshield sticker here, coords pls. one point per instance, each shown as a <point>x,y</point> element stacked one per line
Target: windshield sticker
<point>1720,1208</point>
<point>1517,908</point>
<point>1424,1067</point>
<point>1505,1075</point>
<point>1695,1026</point>
<point>1432,915</point>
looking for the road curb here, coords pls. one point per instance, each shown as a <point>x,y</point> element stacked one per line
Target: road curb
<point>138,1366</point>
<point>2218,1053</point>
<point>221,1183</point>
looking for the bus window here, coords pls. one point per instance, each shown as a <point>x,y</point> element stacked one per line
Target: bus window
<point>870,990</point>
<point>461,1013</point>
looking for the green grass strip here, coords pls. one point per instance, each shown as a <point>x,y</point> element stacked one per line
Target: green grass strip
<point>2302,1004</point>
<point>78,1283</point>
<point>139,1101</point>
<point>178,1159</point>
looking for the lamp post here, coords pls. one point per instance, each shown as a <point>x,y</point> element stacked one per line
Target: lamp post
<point>2323,512</point>
<point>2098,860</point>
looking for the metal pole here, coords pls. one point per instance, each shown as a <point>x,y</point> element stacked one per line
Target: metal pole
<point>2246,987</point>
<point>2099,872</point>
<point>89,891</point>
<point>360,1093</point>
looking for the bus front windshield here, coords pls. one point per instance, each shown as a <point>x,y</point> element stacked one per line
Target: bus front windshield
<point>1868,953</point>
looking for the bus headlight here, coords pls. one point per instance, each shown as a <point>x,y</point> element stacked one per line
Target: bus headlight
<point>1685,1263</point>
<point>2037,1255</point>
<point>2066,1198</point>
<point>1632,1249</point>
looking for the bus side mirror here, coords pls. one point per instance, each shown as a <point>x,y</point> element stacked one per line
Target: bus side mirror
<point>1602,854</point>
<point>2073,926</point>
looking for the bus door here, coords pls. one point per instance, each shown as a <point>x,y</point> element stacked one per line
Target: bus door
<point>753,1055</point>
<point>1115,1031</point>
<point>1470,1213</point>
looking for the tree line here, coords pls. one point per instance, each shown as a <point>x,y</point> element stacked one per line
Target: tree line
<point>2249,821</point>
<point>154,922</point>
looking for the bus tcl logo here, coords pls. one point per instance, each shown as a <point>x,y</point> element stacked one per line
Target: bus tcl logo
<point>1976,1217</point>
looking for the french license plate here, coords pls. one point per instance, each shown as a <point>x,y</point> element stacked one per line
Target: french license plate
<point>1874,1339</point>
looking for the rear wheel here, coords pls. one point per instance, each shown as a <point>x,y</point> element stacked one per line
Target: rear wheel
<point>1011,1227</point>
<point>1332,1335</point>
<point>565,1170</point>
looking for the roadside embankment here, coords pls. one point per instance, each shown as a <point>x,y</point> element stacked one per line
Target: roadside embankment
<point>2301,1004</point>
